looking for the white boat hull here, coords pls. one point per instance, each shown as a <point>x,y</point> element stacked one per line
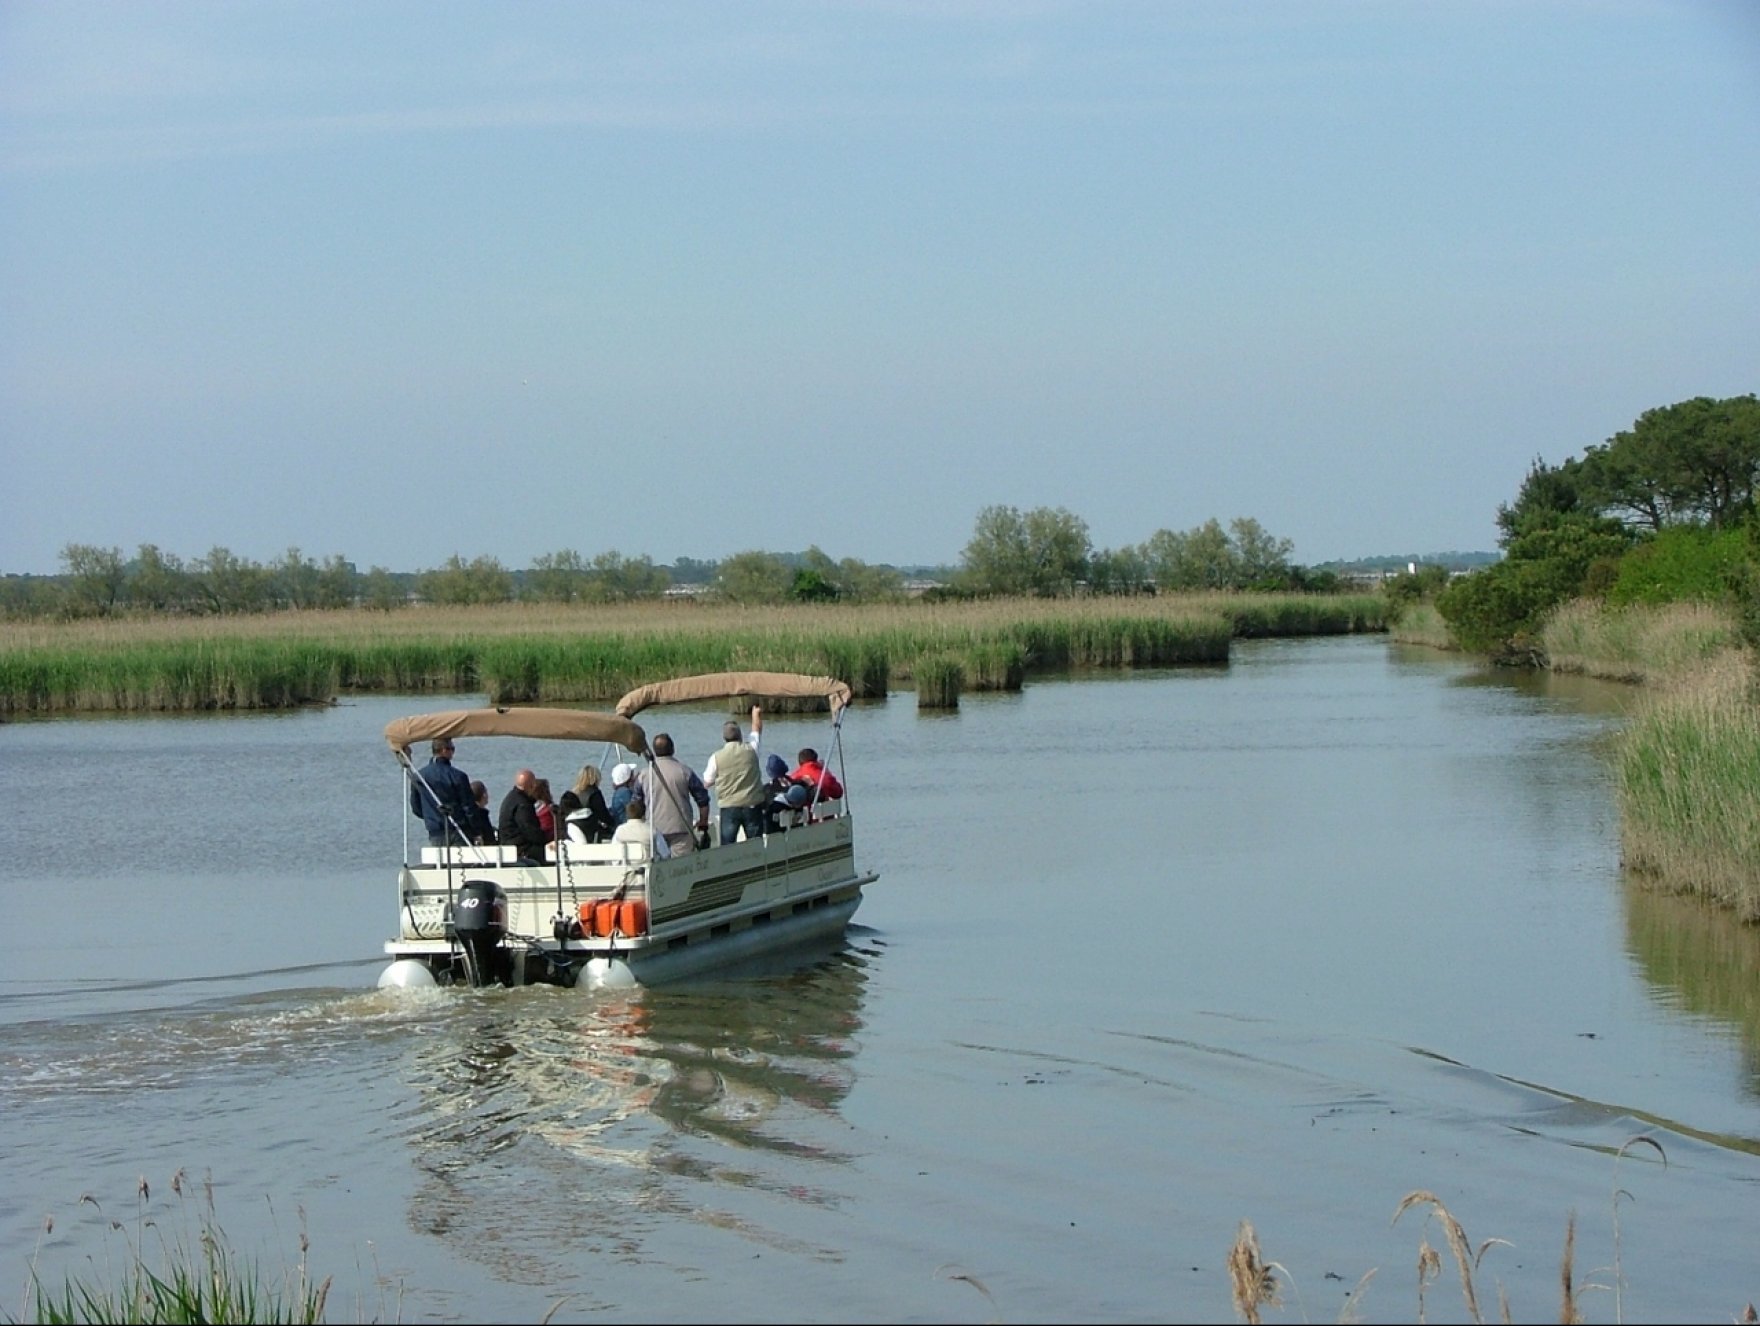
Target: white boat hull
<point>704,910</point>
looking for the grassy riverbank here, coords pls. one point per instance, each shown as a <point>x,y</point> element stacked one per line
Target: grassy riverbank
<point>1688,760</point>
<point>1689,785</point>
<point>529,654</point>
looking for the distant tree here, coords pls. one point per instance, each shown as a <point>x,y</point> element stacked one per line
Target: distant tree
<point>1120,571</point>
<point>1197,559</point>
<point>337,583</point>
<point>613,578</point>
<point>810,586</point>
<point>690,571</point>
<point>753,577</point>
<point>296,580</point>
<point>231,584</point>
<point>997,559</point>
<point>558,577</point>
<point>381,591</point>
<point>1261,560</point>
<point>1043,551</point>
<point>864,583</point>
<point>460,583</point>
<point>95,579</point>
<point>24,597</point>
<point>1243,556</point>
<point>1059,545</point>
<point>159,581</point>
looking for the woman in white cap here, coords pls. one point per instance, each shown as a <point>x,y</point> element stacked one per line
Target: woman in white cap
<point>623,787</point>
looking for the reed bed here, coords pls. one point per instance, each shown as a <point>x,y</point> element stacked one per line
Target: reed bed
<point>1639,642</point>
<point>1421,624</point>
<point>1689,786</point>
<point>939,680</point>
<point>569,654</point>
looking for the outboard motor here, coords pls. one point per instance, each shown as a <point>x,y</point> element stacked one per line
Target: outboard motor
<point>477,923</point>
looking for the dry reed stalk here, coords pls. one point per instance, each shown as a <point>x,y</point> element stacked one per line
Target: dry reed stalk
<point>1618,1192</point>
<point>1348,1312</point>
<point>1250,1276</point>
<point>1457,1244</point>
<point>1568,1311</point>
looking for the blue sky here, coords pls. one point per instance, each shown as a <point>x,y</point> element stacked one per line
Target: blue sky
<point>399,281</point>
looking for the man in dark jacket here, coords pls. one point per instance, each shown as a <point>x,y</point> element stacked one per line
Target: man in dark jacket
<point>518,824</point>
<point>441,795</point>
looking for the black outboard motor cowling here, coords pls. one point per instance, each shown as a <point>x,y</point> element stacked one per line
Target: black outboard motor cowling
<point>478,924</point>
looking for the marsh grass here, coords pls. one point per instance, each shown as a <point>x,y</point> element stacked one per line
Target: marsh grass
<point>1637,643</point>
<point>175,1267</point>
<point>525,654</point>
<point>1421,624</point>
<point>1689,785</point>
<point>939,680</point>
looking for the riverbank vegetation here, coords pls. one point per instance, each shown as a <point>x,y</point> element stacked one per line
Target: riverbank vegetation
<point>174,1267</point>
<point>559,654</point>
<point>1689,785</point>
<point>1640,562</point>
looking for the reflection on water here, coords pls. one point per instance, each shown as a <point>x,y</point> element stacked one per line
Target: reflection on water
<point>1698,958</point>
<point>603,1116</point>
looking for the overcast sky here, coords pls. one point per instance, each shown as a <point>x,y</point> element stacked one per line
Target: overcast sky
<point>399,281</point>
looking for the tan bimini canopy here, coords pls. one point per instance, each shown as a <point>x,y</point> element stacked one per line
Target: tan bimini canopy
<point>553,724</point>
<point>722,685</point>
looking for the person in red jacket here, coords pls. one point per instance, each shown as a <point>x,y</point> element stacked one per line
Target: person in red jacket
<point>816,777</point>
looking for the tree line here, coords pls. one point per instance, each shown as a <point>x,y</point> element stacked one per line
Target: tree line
<point>1661,511</point>
<point>1045,552</point>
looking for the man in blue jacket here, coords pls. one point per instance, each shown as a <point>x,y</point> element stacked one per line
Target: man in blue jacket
<point>441,795</point>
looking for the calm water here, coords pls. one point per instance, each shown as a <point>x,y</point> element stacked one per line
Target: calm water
<point>1149,956</point>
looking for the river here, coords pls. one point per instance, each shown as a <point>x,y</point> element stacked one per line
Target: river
<point>1149,955</point>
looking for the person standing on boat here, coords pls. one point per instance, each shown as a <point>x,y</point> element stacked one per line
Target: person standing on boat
<point>519,825</point>
<point>732,774</point>
<point>669,786</point>
<point>441,795</point>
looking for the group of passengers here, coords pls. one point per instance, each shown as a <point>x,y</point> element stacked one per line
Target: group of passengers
<point>665,806</point>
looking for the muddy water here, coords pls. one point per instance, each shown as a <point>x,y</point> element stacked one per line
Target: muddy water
<point>1149,956</point>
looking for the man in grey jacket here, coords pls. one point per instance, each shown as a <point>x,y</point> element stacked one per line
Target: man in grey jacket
<point>669,786</point>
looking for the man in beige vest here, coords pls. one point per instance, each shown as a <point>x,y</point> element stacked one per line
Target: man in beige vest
<point>669,786</point>
<point>732,774</point>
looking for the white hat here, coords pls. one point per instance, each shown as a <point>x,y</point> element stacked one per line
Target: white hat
<point>621,774</point>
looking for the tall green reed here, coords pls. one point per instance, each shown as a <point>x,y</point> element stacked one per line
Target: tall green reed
<point>1689,786</point>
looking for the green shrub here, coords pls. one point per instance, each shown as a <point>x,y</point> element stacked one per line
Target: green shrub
<point>1683,562</point>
